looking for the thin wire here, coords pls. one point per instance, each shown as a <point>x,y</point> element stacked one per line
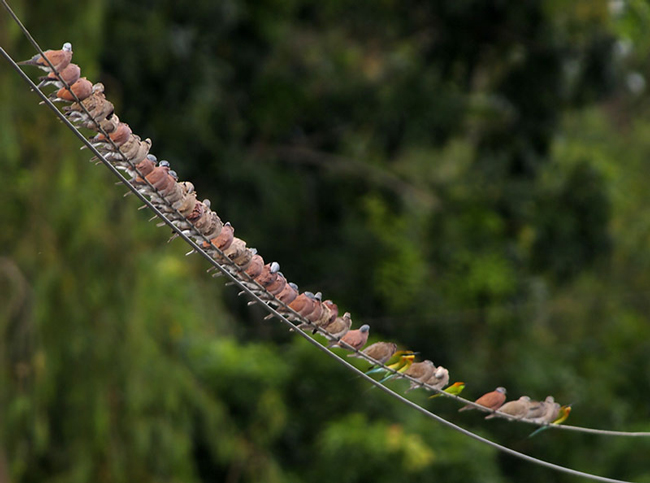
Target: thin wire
<point>274,312</point>
<point>249,280</point>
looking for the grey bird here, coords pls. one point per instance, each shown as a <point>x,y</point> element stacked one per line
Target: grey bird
<point>517,409</point>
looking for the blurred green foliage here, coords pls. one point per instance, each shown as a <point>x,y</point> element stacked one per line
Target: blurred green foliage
<point>466,176</point>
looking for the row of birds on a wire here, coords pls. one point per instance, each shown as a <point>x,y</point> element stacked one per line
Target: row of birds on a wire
<point>177,200</point>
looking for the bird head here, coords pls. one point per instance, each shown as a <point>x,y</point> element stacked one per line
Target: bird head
<point>502,390</point>
<point>67,47</point>
<point>364,328</point>
<point>275,267</point>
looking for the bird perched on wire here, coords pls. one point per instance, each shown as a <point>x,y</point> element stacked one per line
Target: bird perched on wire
<point>303,304</point>
<point>288,294</point>
<point>58,58</point>
<point>492,400</point>
<point>395,362</point>
<point>340,326</point>
<point>537,409</point>
<point>328,315</point>
<point>81,89</point>
<point>380,351</point>
<point>563,414</point>
<point>403,365</point>
<point>356,339</point>
<point>422,371</point>
<point>439,379</point>
<point>455,389</point>
<point>551,411</point>
<point>68,75</point>
<point>517,409</point>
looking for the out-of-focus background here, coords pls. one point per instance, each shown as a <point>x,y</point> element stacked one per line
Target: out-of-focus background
<point>469,177</point>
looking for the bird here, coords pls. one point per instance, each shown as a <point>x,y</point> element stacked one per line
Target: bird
<point>81,89</point>
<point>186,204</point>
<point>421,371</point>
<point>340,326</point>
<point>209,225</point>
<point>278,285</point>
<point>269,274</point>
<point>66,76</point>
<point>334,313</point>
<point>119,136</point>
<point>256,266</point>
<point>145,167</point>
<point>438,379</point>
<point>551,411</point>
<point>326,314</point>
<point>58,58</point>
<point>316,313</point>
<point>224,239</point>
<point>96,104</point>
<point>537,409</point>
<point>405,363</point>
<point>355,339</point>
<point>236,250</point>
<point>492,400</point>
<point>288,294</point>
<point>563,414</point>
<point>380,351</point>
<point>518,409</point>
<point>394,362</point>
<point>303,304</point>
<point>158,176</point>
<point>455,389</point>
<point>110,125</point>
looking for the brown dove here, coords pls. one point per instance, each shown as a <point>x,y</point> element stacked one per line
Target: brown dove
<point>491,400</point>
<point>354,338</point>
<point>517,409</point>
